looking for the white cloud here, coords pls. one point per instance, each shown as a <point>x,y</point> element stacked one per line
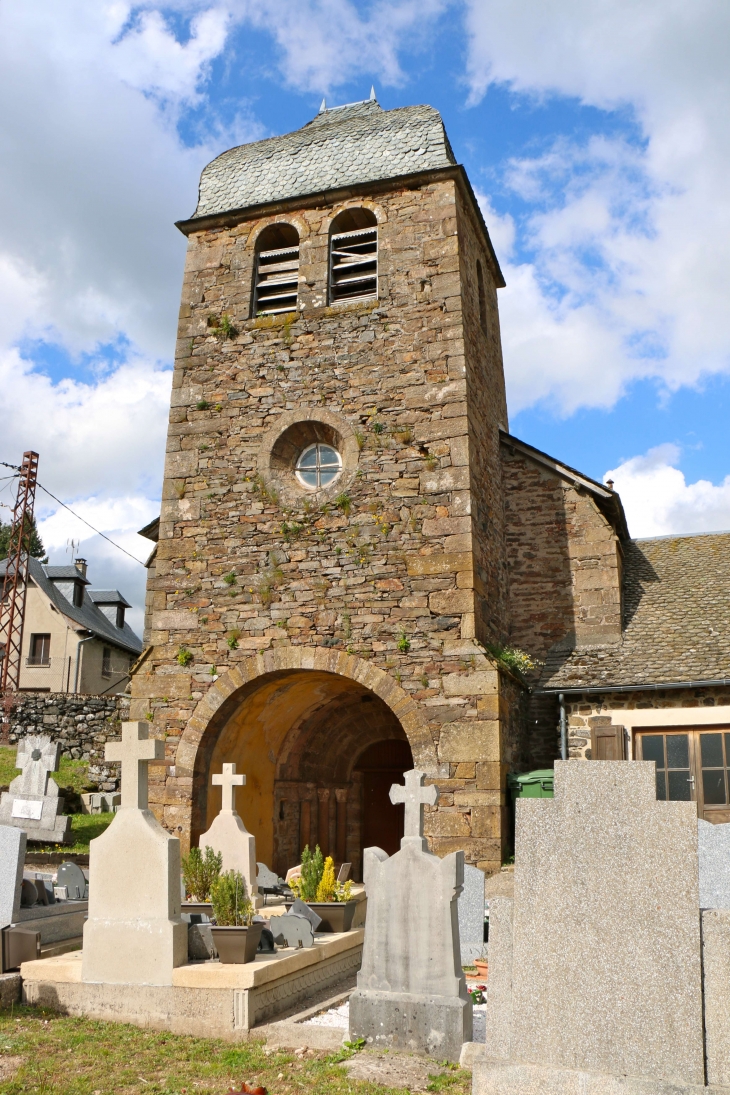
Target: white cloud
<point>630,275</point>
<point>659,501</point>
<point>325,43</point>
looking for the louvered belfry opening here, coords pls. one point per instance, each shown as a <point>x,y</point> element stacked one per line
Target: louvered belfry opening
<point>353,256</point>
<point>276,284</point>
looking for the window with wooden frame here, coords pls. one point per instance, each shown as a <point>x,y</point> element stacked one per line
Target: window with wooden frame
<point>353,271</point>
<point>40,650</point>
<point>276,274</point>
<point>106,662</point>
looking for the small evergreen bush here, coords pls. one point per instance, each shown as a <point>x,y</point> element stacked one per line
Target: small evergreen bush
<point>200,870</point>
<point>232,906</point>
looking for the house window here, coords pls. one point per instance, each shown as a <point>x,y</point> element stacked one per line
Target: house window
<point>482,298</point>
<point>106,662</point>
<point>120,615</point>
<point>353,273</point>
<point>40,650</point>
<point>276,284</point>
<point>78,596</point>
<point>318,466</point>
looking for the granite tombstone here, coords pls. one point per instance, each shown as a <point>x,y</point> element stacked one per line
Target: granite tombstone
<point>229,836</point>
<point>134,934</point>
<point>595,968</point>
<point>471,915</point>
<point>33,802</point>
<point>411,991</point>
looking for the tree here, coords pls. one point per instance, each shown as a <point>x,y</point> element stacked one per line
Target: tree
<point>33,541</point>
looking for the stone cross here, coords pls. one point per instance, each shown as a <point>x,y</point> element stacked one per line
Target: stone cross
<point>38,757</point>
<point>415,796</point>
<point>135,751</point>
<point>227,780</point>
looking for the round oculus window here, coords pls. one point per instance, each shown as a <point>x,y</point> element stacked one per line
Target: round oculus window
<point>318,466</point>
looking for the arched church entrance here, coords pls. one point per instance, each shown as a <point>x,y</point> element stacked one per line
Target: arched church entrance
<point>318,749</point>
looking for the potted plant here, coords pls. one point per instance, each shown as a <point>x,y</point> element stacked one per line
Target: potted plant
<point>199,871</point>
<point>317,887</point>
<point>235,935</point>
<point>482,965</point>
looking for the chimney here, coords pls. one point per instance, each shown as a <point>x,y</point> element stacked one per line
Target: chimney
<point>80,565</point>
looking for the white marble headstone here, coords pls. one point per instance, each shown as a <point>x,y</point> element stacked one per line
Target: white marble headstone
<point>12,858</point>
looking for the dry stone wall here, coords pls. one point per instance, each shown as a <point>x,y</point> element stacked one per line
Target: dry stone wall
<point>82,724</point>
<point>380,566</point>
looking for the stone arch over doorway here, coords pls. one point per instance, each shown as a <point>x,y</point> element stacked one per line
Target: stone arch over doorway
<point>297,721</point>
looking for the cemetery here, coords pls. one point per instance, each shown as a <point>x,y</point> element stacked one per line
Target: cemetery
<point>609,965</point>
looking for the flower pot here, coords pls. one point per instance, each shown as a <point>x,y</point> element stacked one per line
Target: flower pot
<point>337,916</point>
<point>236,944</point>
<point>197,907</point>
<point>482,968</point>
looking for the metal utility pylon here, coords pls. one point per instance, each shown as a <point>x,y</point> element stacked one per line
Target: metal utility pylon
<point>15,584</point>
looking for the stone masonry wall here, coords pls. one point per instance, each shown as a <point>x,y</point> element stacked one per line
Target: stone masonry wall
<point>585,712</point>
<point>486,408</point>
<point>83,725</point>
<point>563,558</point>
<point>380,566</point>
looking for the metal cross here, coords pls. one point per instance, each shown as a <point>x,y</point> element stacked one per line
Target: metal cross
<point>228,781</point>
<point>415,796</point>
<point>135,751</point>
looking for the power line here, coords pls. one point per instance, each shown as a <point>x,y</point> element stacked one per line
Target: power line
<point>96,530</point>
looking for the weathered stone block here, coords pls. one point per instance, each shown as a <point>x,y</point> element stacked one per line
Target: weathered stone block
<point>471,739</point>
<point>471,684</point>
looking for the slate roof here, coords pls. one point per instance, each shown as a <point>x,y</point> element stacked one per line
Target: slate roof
<point>87,615</point>
<point>676,619</point>
<point>108,597</point>
<point>342,146</point>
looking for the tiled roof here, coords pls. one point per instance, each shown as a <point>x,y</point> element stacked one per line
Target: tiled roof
<point>676,619</point>
<point>68,572</point>
<point>87,615</point>
<point>343,146</point>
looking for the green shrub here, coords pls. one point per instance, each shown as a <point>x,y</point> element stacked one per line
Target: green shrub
<point>232,907</point>
<point>312,871</point>
<point>200,870</point>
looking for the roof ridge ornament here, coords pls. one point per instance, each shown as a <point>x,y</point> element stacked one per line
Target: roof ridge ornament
<point>323,107</point>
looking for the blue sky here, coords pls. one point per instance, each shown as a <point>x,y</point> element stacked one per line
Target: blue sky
<point>595,136</point>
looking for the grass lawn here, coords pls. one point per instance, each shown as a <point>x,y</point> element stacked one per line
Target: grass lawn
<point>81,1057</point>
<point>84,828</point>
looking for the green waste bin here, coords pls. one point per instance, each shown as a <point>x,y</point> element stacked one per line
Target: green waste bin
<point>537,784</point>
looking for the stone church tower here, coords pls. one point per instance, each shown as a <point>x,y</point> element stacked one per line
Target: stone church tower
<point>331,563</point>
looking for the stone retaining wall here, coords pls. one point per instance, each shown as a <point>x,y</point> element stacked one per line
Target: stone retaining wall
<point>83,725</point>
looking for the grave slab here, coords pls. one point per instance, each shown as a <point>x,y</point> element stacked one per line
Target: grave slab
<point>33,802</point>
<point>205,999</point>
<point>134,934</point>
<point>605,957</point>
<point>471,915</point>
<point>411,993</point>
<point>229,836</point>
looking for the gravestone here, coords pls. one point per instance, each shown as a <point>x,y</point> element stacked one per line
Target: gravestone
<point>471,915</point>
<point>291,930</point>
<point>229,836</point>
<point>596,964</point>
<point>12,858</point>
<point>73,878</point>
<point>713,842</point>
<point>411,991</point>
<point>134,933</point>
<point>32,802</point>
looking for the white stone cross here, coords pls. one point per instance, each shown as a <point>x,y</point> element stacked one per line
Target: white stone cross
<point>415,796</point>
<point>227,780</point>
<point>135,751</point>
<point>38,757</point>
